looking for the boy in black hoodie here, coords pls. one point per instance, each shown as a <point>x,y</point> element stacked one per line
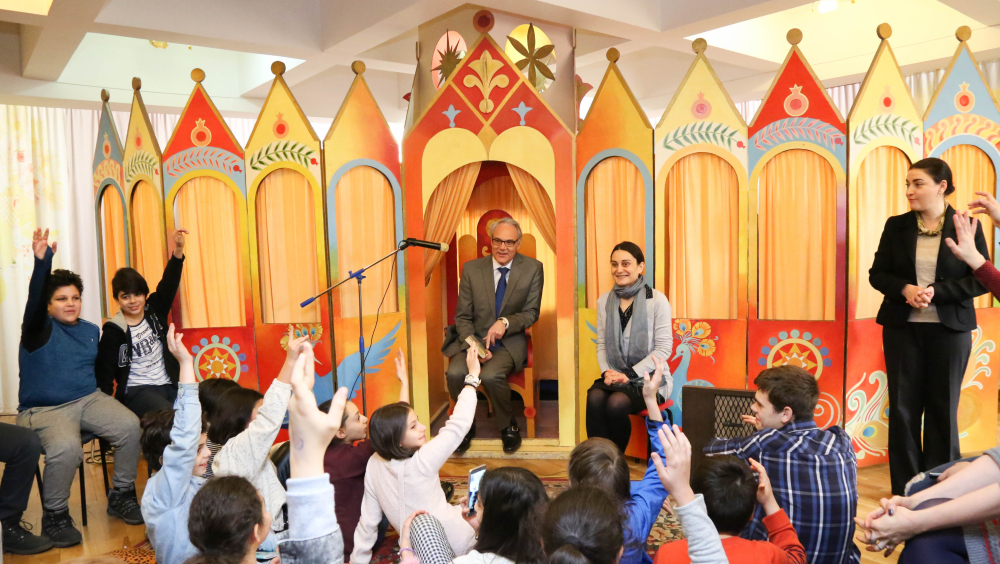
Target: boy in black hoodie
<point>132,349</point>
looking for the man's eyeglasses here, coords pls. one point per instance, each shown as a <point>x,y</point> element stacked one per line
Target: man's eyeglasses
<point>503,243</point>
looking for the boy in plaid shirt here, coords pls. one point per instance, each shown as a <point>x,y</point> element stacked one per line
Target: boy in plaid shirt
<point>813,472</point>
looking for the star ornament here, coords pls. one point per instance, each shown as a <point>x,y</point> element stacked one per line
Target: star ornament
<point>532,61</point>
<point>795,356</point>
<point>450,58</point>
<point>218,365</point>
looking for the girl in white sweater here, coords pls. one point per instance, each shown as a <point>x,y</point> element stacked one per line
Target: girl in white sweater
<point>403,474</point>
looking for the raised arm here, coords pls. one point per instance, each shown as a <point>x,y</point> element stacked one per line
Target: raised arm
<point>966,287</point>
<point>432,456</point>
<point>163,298</point>
<point>780,531</point>
<point>650,384</point>
<point>463,309</point>
<point>404,380</point>
<point>663,340</point>
<point>367,530</point>
<point>36,313</point>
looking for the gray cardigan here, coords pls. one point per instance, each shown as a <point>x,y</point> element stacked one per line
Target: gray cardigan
<point>661,340</point>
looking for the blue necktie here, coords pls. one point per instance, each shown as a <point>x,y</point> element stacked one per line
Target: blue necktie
<point>501,287</point>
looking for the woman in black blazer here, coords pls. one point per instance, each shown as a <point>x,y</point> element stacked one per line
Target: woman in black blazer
<point>927,317</point>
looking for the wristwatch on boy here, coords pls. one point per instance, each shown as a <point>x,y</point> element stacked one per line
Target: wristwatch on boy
<point>473,381</point>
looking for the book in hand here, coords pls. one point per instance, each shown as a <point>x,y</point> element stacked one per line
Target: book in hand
<point>477,345</point>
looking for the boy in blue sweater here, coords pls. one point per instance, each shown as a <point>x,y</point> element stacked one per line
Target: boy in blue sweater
<point>173,442</point>
<point>58,396</point>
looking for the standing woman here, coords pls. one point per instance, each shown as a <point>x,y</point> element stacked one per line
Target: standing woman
<point>927,317</point>
<point>633,325</point>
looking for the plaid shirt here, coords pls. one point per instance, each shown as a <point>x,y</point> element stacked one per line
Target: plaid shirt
<point>814,476</point>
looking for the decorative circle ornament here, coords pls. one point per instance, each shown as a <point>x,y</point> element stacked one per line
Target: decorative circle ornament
<point>483,21</point>
<point>280,127</point>
<point>887,102</point>
<point>965,100</point>
<point>106,147</point>
<point>200,135</point>
<point>793,348</point>
<point>219,358</point>
<point>701,108</point>
<point>796,103</point>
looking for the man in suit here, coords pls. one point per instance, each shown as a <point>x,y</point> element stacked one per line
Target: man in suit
<point>498,298</point>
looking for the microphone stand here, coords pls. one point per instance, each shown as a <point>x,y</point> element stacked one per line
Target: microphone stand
<point>359,276</point>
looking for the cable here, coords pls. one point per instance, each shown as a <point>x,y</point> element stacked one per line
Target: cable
<point>368,348</point>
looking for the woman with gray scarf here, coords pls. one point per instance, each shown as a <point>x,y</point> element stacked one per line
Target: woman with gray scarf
<point>633,326</point>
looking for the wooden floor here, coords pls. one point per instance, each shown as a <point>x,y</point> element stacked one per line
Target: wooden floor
<point>104,533</point>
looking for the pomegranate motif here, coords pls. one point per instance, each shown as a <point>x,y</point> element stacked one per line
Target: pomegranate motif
<point>201,135</point>
<point>701,108</point>
<point>887,102</point>
<point>106,147</point>
<point>138,141</point>
<point>965,100</point>
<point>796,103</point>
<point>280,127</point>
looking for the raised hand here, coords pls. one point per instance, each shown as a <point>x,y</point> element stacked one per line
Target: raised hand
<point>404,381</point>
<point>987,204</point>
<point>472,362</point>
<point>295,346</point>
<point>176,346</point>
<point>40,242</point>
<point>178,237</point>
<point>675,469</point>
<point>651,384</point>
<point>965,249</point>
<point>310,430</point>
<point>765,495</point>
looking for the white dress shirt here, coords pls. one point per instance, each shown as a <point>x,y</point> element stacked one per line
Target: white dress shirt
<point>496,272</point>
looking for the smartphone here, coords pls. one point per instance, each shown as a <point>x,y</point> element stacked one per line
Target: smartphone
<point>475,476</point>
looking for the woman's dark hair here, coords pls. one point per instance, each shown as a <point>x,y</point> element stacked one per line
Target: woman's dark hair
<point>325,408</point>
<point>514,501</point>
<point>386,428</point>
<point>936,169</point>
<point>730,491</point>
<point>597,462</point>
<point>156,426</point>
<point>584,525</point>
<point>632,249</point>
<point>232,414</point>
<point>129,280</point>
<point>221,520</point>
<point>59,278</point>
<point>210,391</point>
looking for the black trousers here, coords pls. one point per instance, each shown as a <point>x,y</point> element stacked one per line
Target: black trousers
<point>925,364</point>
<point>143,399</point>
<point>19,451</point>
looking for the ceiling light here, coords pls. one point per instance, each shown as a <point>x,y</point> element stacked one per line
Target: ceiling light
<point>159,44</point>
<point>824,6</point>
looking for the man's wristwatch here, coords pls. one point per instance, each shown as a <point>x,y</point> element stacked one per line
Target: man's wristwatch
<point>506,324</point>
<point>473,381</point>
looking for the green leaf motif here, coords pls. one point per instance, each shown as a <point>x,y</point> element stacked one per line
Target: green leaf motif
<point>885,125</point>
<point>139,163</point>
<point>701,132</point>
<point>278,151</point>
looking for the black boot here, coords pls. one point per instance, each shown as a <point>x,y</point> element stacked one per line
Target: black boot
<point>467,441</point>
<point>511,437</point>
<point>17,539</point>
<point>123,504</point>
<point>58,526</point>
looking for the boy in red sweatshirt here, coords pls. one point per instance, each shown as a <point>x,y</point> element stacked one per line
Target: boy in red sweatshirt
<point>731,493</point>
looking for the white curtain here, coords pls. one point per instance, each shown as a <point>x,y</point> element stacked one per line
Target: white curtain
<point>922,85</point>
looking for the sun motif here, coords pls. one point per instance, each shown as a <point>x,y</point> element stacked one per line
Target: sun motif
<point>793,348</point>
<point>219,358</point>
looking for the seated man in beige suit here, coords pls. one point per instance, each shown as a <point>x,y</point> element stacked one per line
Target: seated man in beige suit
<point>499,297</point>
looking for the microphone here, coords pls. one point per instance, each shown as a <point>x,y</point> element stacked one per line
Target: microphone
<point>410,242</point>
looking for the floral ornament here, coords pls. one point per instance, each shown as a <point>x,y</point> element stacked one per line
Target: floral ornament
<point>486,79</point>
<point>106,147</point>
<point>887,102</point>
<point>200,135</point>
<point>533,62</point>
<point>965,100</point>
<point>314,330</point>
<point>450,58</point>
<point>792,348</point>
<point>796,103</point>
<point>280,127</point>
<point>695,335</point>
<point>701,108</point>
<point>219,358</point>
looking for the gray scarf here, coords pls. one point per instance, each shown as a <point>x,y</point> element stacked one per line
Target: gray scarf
<point>639,335</point>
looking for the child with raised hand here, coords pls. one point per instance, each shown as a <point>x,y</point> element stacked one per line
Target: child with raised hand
<point>402,475</point>
<point>245,450</point>
<point>210,394</point>
<point>674,470</point>
<point>598,462</point>
<point>346,461</point>
<point>181,462</point>
<point>731,494</point>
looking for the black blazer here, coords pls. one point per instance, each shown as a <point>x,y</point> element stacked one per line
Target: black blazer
<point>895,267</point>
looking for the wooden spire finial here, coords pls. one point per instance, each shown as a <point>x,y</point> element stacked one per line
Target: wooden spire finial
<point>197,75</point>
<point>358,67</point>
<point>136,83</point>
<point>613,55</point>
<point>794,36</point>
<point>277,68</point>
<point>699,45</point>
<point>963,33</point>
<point>884,31</point>
<point>104,95</point>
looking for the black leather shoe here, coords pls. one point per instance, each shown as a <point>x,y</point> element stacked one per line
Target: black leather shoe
<point>467,441</point>
<point>60,530</point>
<point>511,437</point>
<point>18,540</point>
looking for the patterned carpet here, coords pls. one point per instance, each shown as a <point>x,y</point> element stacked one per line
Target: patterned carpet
<point>666,529</point>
